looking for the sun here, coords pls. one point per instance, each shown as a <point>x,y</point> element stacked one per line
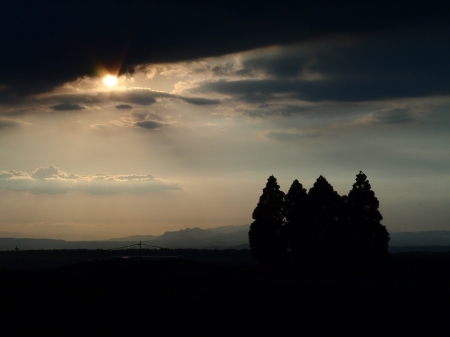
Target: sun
<point>110,80</point>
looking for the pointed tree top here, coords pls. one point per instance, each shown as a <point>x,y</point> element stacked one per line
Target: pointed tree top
<point>272,182</point>
<point>320,188</point>
<point>296,183</point>
<point>296,187</point>
<point>361,182</point>
<point>270,202</point>
<point>321,183</point>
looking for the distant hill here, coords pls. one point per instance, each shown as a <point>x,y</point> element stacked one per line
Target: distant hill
<point>204,238</point>
<point>225,237</point>
<point>427,238</point>
<point>230,236</point>
<point>209,238</point>
<point>188,233</point>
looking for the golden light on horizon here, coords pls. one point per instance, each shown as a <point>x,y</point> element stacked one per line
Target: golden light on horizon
<point>110,80</point>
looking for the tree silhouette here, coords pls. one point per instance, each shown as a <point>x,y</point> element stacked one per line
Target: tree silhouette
<point>296,227</point>
<point>265,232</point>
<point>325,232</point>
<point>366,232</point>
<point>324,212</point>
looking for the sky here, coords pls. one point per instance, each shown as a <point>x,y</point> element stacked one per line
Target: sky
<point>211,99</point>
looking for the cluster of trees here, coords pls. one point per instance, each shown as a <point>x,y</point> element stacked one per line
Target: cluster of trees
<point>320,224</point>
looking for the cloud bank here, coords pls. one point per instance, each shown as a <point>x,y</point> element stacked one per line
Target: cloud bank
<point>65,48</point>
<point>350,69</point>
<point>126,98</point>
<point>67,107</point>
<point>51,180</point>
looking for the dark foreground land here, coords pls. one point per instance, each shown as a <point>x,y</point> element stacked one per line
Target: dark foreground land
<point>193,295</point>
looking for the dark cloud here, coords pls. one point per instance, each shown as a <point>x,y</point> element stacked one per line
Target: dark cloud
<point>150,125</point>
<point>72,101</point>
<point>124,106</point>
<point>375,67</point>
<point>56,42</point>
<point>199,101</point>
<point>281,63</point>
<point>67,107</point>
<point>148,97</point>
<point>137,96</point>
<point>278,109</point>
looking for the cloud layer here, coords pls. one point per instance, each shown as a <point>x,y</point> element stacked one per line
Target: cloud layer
<point>125,96</point>
<point>67,107</point>
<point>51,180</point>
<point>350,69</point>
<point>60,40</point>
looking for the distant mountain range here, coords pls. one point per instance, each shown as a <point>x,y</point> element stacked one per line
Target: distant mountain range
<point>210,238</point>
<point>225,237</point>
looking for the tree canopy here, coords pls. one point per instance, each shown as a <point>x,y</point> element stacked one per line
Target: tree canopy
<point>319,222</point>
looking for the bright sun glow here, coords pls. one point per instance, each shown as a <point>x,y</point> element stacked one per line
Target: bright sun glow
<point>110,80</point>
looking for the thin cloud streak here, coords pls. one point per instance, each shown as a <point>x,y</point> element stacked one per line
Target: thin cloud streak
<point>11,123</point>
<point>51,180</point>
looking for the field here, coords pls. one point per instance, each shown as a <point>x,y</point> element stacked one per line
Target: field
<point>216,293</point>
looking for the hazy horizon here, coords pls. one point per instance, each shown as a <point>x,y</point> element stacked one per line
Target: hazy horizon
<point>77,237</point>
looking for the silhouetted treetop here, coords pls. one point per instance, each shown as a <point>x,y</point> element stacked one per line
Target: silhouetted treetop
<point>264,235</point>
<point>364,217</point>
<point>270,203</point>
<point>323,202</point>
<point>322,190</point>
<point>295,203</point>
<point>296,230</point>
<point>363,201</point>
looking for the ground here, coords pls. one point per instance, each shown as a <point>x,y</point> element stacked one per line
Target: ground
<point>167,296</point>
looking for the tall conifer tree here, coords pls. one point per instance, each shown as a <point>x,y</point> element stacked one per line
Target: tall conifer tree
<point>324,208</point>
<point>295,232</point>
<point>265,232</point>
<point>367,233</point>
